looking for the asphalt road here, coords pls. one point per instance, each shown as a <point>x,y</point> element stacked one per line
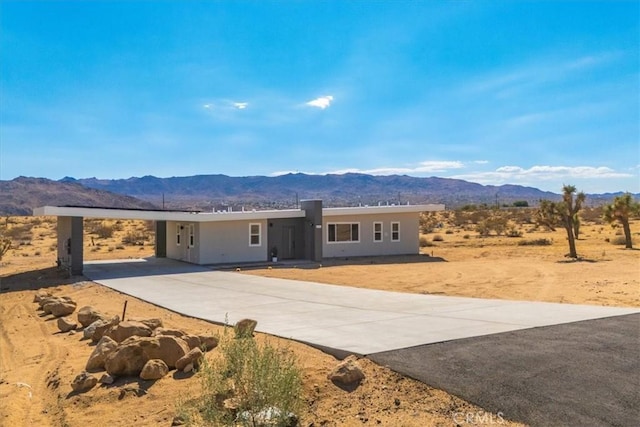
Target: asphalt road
<point>577,374</point>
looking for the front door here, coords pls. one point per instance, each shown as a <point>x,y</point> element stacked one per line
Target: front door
<point>288,242</point>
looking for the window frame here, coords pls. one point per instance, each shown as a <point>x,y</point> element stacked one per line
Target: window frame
<point>397,238</point>
<point>191,239</point>
<point>335,233</point>
<point>375,232</point>
<point>178,234</point>
<point>252,234</point>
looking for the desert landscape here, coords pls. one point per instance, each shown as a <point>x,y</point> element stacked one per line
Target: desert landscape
<point>38,363</point>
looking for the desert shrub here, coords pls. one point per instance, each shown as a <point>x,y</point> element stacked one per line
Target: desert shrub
<point>245,380</point>
<point>17,232</point>
<point>428,222</point>
<point>104,231</point>
<point>618,241</point>
<point>110,249</point>
<point>134,238</point>
<point>466,236</point>
<point>37,253</point>
<point>514,232</point>
<point>448,232</point>
<point>535,242</point>
<point>438,238</point>
<point>120,247</point>
<point>424,242</point>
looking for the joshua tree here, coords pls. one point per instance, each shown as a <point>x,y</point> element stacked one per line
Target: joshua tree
<point>620,210</point>
<point>564,213</point>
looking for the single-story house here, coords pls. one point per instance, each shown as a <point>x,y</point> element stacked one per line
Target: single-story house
<point>310,232</point>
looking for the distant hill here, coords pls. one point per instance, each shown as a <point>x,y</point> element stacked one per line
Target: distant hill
<point>19,196</point>
<point>209,191</point>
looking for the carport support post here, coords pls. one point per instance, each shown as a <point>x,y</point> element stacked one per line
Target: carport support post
<point>161,239</point>
<point>70,243</point>
<point>313,229</point>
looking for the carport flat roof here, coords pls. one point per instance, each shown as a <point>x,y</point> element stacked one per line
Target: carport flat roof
<point>158,215</point>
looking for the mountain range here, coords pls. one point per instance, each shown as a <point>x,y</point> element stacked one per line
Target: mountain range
<point>207,192</point>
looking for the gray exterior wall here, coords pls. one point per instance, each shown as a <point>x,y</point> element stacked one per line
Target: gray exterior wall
<point>70,240</point>
<point>408,244</point>
<point>228,242</point>
<point>287,234</point>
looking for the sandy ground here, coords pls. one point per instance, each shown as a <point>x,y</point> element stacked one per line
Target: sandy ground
<point>37,363</point>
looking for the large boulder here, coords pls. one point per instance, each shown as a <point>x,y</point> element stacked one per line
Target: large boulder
<point>152,323</point>
<point>101,327</point>
<point>172,332</point>
<point>66,324</point>
<point>83,382</point>
<point>154,369</point>
<point>134,352</point>
<point>347,372</point>
<point>128,328</point>
<point>51,299</point>
<point>193,341</point>
<point>59,308</point>
<point>87,315</point>
<point>191,358</point>
<point>99,355</point>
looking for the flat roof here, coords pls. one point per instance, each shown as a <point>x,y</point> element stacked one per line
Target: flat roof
<point>167,215</point>
<point>188,216</point>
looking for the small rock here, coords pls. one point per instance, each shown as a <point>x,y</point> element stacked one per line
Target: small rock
<point>154,369</point>
<point>347,372</point>
<point>73,332</point>
<point>188,368</point>
<point>66,324</point>
<point>177,421</point>
<point>244,328</point>
<point>106,379</point>
<point>41,295</point>
<point>209,343</point>
<point>192,357</point>
<point>83,382</point>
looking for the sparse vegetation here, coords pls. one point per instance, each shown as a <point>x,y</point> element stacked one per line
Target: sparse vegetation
<point>622,208</point>
<point>244,384</point>
<point>424,242</point>
<point>438,238</point>
<point>535,242</point>
<point>565,213</point>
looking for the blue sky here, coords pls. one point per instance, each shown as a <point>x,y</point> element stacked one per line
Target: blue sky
<point>532,93</point>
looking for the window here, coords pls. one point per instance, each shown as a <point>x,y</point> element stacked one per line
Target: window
<point>343,232</point>
<point>377,232</point>
<point>395,231</point>
<point>178,236</point>
<point>192,238</point>
<point>254,234</point>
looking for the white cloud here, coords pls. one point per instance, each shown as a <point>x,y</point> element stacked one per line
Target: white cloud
<point>534,174</point>
<point>481,162</point>
<point>241,105</point>
<point>321,102</point>
<point>428,166</point>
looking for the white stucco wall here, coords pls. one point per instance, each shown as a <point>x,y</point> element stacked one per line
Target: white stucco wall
<point>228,242</point>
<point>408,243</point>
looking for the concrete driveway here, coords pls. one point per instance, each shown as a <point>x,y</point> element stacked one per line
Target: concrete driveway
<point>336,318</point>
